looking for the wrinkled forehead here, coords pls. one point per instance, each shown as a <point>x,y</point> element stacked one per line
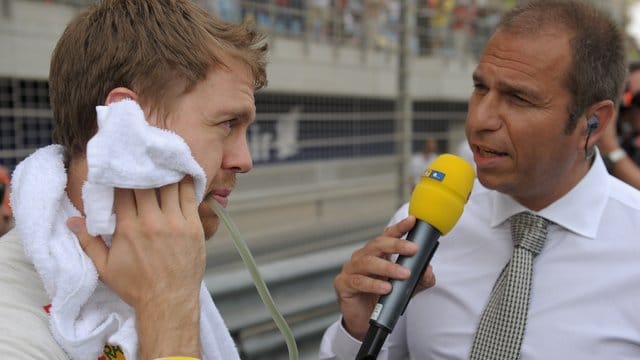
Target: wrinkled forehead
<point>540,57</point>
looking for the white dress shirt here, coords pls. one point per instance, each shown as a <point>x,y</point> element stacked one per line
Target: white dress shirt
<point>585,297</point>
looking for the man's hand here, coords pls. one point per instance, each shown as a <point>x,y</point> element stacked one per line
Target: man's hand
<point>365,277</point>
<point>155,263</point>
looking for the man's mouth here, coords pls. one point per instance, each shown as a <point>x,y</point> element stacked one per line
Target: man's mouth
<point>488,152</point>
<point>221,196</point>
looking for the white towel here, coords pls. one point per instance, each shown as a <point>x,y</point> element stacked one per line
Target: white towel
<point>128,153</point>
<point>85,314</point>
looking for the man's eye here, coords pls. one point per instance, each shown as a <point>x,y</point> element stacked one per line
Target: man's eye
<point>519,100</point>
<point>478,87</point>
<point>228,124</point>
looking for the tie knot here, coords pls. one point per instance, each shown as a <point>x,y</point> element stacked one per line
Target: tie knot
<point>529,231</point>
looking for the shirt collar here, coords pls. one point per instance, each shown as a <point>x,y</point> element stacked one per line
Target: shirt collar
<point>578,211</point>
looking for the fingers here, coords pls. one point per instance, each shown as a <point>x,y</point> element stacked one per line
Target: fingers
<point>153,202</point>
<point>125,203</point>
<point>188,198</point>
<point>390,242</point>
<point>370,267</point>
<point>378,267</point>
<point>169,200</point>
<point>399,229</point>
<point>147,201</point>
<point>374,278</point>
<point>93,246</point>
<point>365,277</point>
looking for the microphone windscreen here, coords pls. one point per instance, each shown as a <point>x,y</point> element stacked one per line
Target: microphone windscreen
<point>439,198</point>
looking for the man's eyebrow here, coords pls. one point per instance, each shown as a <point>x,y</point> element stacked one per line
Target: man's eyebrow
<point>235,111</point>
<point>510,88</point>
<point>520,90</point>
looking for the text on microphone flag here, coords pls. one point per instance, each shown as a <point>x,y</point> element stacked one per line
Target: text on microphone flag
<point>435,175</point>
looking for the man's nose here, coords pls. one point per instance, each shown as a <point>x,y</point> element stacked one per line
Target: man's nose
<point>237,156</point>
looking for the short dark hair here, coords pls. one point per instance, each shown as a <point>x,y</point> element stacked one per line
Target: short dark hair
<point>598,57</point>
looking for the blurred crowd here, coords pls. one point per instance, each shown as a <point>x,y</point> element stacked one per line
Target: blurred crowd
<point>448,27</point>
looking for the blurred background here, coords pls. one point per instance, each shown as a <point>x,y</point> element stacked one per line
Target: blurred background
<point>357,89</point>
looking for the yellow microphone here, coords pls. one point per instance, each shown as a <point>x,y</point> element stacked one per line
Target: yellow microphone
<point>442,192</point>
<point>437,203</point>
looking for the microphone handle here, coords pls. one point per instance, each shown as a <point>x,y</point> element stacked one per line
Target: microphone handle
<point>391,306</point>
<point>372,342</point>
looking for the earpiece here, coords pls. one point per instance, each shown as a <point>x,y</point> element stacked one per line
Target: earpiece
<point>592,123</point>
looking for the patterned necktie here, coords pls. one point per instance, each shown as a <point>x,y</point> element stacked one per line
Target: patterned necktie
<point>502,324</point>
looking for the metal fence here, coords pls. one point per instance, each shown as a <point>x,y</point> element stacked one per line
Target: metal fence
<point>25,118</point>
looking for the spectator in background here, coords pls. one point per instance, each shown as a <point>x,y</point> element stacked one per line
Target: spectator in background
<point>620,145</point>
<point>227,10</point>
<point>628,127</point>
<point>436,34</point>
<point>6,215</point>
<point>352,20</point>
<point>463,28</point>
<point>391,28</point>
<point>372,21</point>
<point>257,11</point>
<point>289,17</point>
<point>283,17</point>
<point>420,161</point>
<point>486,21</point>
<point>318,17</point>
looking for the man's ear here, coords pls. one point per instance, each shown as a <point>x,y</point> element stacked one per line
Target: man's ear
<point>120,93</point>
<point>604,112</point>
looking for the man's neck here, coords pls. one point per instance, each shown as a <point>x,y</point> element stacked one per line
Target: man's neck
<point>76,176</point>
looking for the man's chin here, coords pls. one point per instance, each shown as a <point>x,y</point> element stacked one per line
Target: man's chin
<point>209,220</point>
<point>209,229</point>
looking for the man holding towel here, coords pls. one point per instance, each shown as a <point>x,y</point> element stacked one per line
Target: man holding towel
<point>174,65</point>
